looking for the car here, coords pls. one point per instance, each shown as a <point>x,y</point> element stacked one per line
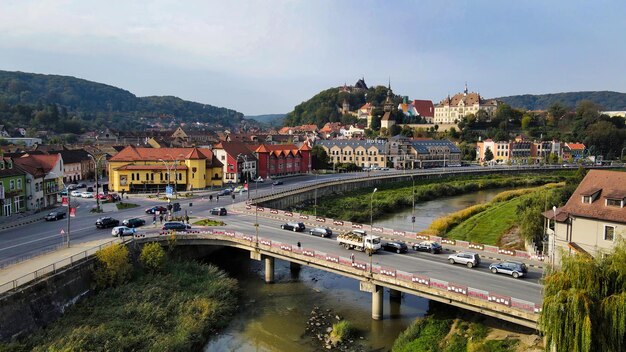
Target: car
<point>154,209</point>
<point>219,211</point>
<point>120,231</point>
<point>395,246</point>
<point>101,196</point>
<point>277,183</point>
<point>113,197</point>
<point>515,269</point>
<point>86,195</point>
<point>293,226</point>
<point>63,192</point>
<point>72,187</point>
<point>259,179</point>
<point>133,222</point>
<point>107,221</point>
<point>385,169</point>
<point>81,185</point>
<point>175,225</point>
<point>466,258</point>
<point>428,246</point>
<point>89,189</point>
<point>55,215</point>
<point>224,192</point>
<point>321,231</point>
<point>76,193</point>
<point>240,189</point>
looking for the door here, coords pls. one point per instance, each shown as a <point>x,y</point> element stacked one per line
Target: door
<point>7,209</point>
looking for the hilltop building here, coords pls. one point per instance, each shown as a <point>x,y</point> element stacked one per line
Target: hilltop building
<point>387,120</point>
<point>452,109</point>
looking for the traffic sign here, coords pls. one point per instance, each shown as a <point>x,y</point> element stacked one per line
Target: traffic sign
<point>169,190</point>
<point>62,232</point>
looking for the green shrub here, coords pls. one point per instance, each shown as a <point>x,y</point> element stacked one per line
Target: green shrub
<point>341,331</point>
<point>153,256</point>
<point>122,205</point>
<point>112,266</point>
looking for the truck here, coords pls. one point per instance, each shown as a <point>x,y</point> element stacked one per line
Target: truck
<point>360,241</point>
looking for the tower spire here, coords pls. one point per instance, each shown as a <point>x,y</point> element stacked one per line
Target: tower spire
<point>465,91</point>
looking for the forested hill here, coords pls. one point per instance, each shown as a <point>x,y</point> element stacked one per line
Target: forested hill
<point>90,101</point>
<point>609,101</point>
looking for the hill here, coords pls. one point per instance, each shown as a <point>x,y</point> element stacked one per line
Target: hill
<point>609,101</point>
<point>273,120</point>
<point>88,104</point>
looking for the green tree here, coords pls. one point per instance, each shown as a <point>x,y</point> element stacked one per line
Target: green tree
<point>319,158</point>
<point>453,133</point>
<point>113,266</point>
<point>394,130</point>
<point>153,257</point>
<point>526,121</point>
<point>584,305</point>
<point>488,154</point>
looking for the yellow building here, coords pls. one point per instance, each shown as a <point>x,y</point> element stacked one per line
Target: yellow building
<point>152,169</point>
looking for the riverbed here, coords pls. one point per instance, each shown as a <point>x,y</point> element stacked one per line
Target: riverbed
<point>274,317</point>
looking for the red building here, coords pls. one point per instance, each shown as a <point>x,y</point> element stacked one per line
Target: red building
<point>283,159</point>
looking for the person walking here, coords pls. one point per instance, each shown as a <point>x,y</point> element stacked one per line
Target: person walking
<point>299,244</point>
<point>187,218</point>
<point>218,199</point>
<point>352,258</point>
<point>154,219</point>
<point>161,218</point>
<point>211,198</point>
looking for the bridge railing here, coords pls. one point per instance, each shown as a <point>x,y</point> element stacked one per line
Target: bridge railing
<point>53,268</point>
<point>380,231</point>
<point>359,268</point>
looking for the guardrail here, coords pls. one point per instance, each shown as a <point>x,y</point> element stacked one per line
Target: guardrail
<point>382,273</point>
<point>52,268</point>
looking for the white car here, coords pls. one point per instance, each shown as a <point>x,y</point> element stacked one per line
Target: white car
<point>76,193</point>
<point>86,195</point>
<point>122,231</point>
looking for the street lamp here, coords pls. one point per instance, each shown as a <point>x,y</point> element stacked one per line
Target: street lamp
<point>245,166</point>
<point>413,208</point>
<point>372,208</point>
<point>96,161</point>
<point>315,198</point>
<point>169,175</point>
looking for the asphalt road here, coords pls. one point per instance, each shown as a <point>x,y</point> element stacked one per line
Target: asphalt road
<point>30,240</point>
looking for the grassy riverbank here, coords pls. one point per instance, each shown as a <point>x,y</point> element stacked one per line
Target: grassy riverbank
<point>175,310</point>
<point>355,206</point>
<point>448,329</point>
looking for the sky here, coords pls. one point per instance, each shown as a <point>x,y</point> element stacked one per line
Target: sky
<point>266,56</point>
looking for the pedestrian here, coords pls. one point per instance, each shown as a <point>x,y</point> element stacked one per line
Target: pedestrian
<point>218,199</point>
<point>161,218</point>
<point>352,258</point>
<point>187,218</point>
<point>154,219</point>
<point>211,198</point>
<point>299,245</point>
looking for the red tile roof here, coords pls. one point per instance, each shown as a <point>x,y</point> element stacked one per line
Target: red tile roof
<point>235,148</point>
<point>37,165</point>
<point>424,107</point>
<point>575,146</point>
<point>132,153</point>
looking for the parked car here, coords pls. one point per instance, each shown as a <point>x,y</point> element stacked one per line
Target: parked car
<point>122,231</point>
<point>219,211</point>
<point>240,189</point>
<point>81,185</point>
<point>224,192</point>
<point>63,192</point>
<point>72,187</point>
<point>428,246</point>
<point>76,193</point>
<point>106,221</point>
<point>321,231</point>
<point>86,195</point>
<point>293,226</point>
<point>113,197</point>
<point>89,189</point>
<point>466,258</point>
<point>515,269</point>
<point>395,246</point>
<point>55,215</point>
<point>277,183</point>
<point>133,222</point>
<point>154,209</point>
<point>175,225</point>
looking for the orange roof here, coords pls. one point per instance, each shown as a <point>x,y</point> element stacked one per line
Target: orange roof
<point>575,146</point>
<point>132,153</point>
<point>305,146</point>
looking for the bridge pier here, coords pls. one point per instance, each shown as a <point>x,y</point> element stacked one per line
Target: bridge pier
<point>377,302</point>
<point>269,270</point>
<point>395,295</point>
<point>295,268</point>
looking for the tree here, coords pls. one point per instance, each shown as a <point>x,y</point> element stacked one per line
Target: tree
<point>113,266</point>
<point>319,158</point>
<point>453,133</point>
<point>153,256</point>
<point>488,154</point>
<point>394,130</point>
<point>526,121</point>
<point>584,305</point>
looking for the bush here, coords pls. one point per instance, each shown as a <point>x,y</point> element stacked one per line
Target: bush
<point>153,257</point>
<point>113,266</point>
<point>341,331</point>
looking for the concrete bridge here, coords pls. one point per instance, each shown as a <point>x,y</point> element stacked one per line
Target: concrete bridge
<point>373,278</point>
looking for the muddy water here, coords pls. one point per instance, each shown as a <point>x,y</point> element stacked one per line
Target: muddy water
<point>273,317</point>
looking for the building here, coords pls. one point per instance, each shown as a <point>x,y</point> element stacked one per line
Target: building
<point>283,160</point>
<point>303,129</point>
<point>425,109</point>
<point>43,174</point>
<point>365,112</point>
<point>77,165</point>
<point>573,151</point>
<point>499,149</point>
<point>12,188</point>
<point>364,153</point>
<point>387,120</point>
<point>592,220</point>
<point>452,110</point>
<point>137,169</point>
<point>432,153</point>
<point>238,160</point>
<point>353,131</point>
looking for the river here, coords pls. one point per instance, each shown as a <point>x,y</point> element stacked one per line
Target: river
<point>274,317</point>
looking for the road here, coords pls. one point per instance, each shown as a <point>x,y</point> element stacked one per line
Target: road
<point>33,239</point>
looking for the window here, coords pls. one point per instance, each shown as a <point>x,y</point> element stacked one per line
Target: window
<point>587,199</point>
<point>609,233</point>
<point>12,185</point>
<point>19,184</point>
<point>613,203</point>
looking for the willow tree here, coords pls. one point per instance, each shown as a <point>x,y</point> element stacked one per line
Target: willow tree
<point>584,307</point>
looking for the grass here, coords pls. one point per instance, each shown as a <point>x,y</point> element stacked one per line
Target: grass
<point>173,311</point>
<point>342,330</point>
<point>209,222</point>
<point>121,205</point>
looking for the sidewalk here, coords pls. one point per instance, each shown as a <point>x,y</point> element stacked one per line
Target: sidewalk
<point>23,272</point>
<point>7,222</point>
